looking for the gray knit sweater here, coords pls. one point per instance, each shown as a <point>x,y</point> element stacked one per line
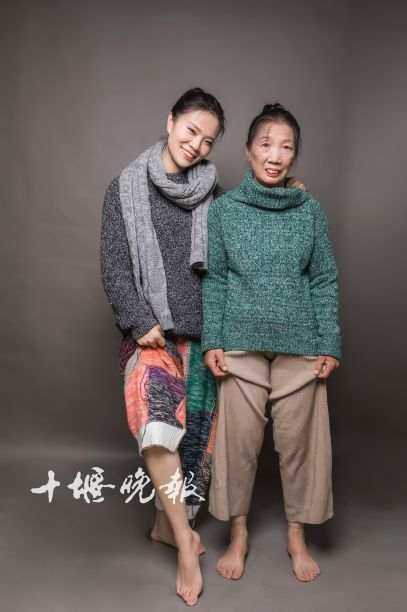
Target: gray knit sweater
<point>173,228</point>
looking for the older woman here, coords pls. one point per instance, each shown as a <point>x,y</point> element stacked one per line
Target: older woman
<point>271,333</point>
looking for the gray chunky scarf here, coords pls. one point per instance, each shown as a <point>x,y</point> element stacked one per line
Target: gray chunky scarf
<point>195,195</point>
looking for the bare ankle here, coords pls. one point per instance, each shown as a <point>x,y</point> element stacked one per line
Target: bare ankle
<point>238,525</point>
<point>295,525</point>
<point>185,538</point>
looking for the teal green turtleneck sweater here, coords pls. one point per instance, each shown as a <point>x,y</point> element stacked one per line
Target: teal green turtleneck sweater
<point>271,283</point>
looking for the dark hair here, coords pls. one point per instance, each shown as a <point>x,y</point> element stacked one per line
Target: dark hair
<point>196,98</point>
<point>275,112</point>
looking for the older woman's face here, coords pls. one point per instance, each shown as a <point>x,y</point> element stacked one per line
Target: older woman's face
<point>272,153</point>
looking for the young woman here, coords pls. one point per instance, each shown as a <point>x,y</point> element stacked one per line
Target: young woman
<point>271,333</point>
<point>153,253</point>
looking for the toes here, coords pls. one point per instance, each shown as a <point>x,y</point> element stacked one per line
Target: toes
<point>222,570</point>
<point>184,593</point>
<point>300,573</point>
<point>306,574</point>
<point>186,596</point>
<point>226,573</point>
<point>180,593</point>
<point>238,571</point>
<point>313,571</point>
<point>192,597</point>
<point>305,570</point>
<point>231,571</point>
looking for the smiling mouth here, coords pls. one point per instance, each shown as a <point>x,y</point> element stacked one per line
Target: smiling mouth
<point>190,156</point>
<point>272,172</point>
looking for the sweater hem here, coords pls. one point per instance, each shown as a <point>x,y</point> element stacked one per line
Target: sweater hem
<point>267,346</point>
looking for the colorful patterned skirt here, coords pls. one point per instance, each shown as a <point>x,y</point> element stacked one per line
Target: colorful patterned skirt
<point>170,401</point>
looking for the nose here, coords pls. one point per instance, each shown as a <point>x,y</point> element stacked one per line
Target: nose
<point>195,143</point>
<point>274,155</point>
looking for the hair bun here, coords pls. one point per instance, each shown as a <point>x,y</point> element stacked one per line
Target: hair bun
<point>269,108</point>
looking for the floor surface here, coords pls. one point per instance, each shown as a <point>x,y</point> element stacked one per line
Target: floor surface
<point>70,556</point>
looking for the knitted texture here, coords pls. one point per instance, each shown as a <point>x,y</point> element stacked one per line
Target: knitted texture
<point>194,194</point>
<point>272,278</point>
<point>173,226</point>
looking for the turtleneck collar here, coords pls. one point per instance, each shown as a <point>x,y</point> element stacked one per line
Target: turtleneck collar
<point>253,193</point>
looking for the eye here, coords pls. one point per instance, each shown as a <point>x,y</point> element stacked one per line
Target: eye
<point>191,130</point>
<point>209,143</point>
<point>288,147</point>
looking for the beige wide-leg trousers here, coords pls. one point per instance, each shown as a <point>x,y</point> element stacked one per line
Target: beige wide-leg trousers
<point>301,434</point>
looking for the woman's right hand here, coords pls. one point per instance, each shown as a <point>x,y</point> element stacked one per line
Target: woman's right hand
<point>214,359</point>
<point>153,339</point>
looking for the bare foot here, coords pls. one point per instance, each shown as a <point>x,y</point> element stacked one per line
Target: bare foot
<point>303,565</point>
<point>162,532</point>
<point>232,564</point>
<point>189,578</point>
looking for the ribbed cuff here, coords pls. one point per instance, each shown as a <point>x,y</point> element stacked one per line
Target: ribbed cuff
<point>209,346</point>
<point>143,327</point>
<point>329,347</point>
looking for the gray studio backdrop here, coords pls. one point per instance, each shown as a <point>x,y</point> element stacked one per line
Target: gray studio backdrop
<point>87,86</point>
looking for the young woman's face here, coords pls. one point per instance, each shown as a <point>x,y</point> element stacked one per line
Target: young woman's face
<point>191,137</point>
<point>272,153</point>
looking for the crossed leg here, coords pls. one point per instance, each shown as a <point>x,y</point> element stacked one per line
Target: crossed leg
<point>161,465</point>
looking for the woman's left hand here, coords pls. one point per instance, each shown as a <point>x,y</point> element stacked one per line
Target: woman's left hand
<point>325,365</point>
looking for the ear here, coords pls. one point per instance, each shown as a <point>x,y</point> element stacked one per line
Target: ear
<point>170,123</point>
<point>247,153</point>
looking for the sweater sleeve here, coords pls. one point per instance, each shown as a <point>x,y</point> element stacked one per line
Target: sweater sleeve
<point>214,284</point>
<point>131,311</point>
<point>324,288</point>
